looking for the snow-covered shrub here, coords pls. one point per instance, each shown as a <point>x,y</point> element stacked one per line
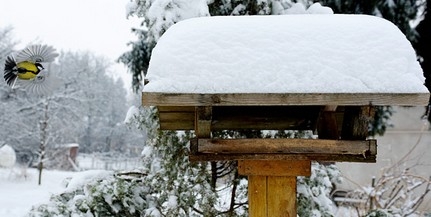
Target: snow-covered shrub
<point>313,193</point>
<point>107,195</point>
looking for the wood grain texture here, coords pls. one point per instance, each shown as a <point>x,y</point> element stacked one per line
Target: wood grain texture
<point>356,122</point>
<point>270,99</point>
<point>257,191</point>
<point>281,196</point>
<point>284,149</point>
<point>274,168</point>
<point>203,121</point>
<point>315,157</point>
<point>288,146</point>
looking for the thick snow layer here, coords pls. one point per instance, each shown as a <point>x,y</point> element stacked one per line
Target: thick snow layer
<point>79,179</point>
<point>285,54</point>
<point>19,190</point>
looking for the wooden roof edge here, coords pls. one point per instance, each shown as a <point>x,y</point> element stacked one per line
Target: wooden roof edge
<point>284,99</point>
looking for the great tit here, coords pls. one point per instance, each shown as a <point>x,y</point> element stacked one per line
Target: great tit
<point>25,69</point>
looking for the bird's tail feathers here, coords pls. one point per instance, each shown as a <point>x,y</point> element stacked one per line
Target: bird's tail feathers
<point>10,70</point>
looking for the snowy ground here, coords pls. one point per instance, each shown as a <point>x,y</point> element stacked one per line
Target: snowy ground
<point>19,190</point>
<point>19,193</point>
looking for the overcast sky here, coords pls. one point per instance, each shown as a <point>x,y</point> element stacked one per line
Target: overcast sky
<point>99,26</point>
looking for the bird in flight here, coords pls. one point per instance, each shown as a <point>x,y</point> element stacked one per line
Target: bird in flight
<point>26,69</point>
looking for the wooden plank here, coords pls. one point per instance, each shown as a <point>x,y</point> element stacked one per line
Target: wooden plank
<point>313,157</point>
<point>184,121</point>
<point>190,109</point>
<point>288,146</point>
<point>274,168</point>
<point>176,116</point>
<point>271,99</point>
<point>281,196</point>
<point>177,125</point>
<point>243,117</point>
<point>257,201</point>
<point>366,152</point>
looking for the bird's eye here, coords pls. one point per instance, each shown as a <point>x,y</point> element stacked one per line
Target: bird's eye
<point>39,66</point>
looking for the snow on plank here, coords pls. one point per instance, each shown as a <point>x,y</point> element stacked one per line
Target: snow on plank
<point>284,60</point>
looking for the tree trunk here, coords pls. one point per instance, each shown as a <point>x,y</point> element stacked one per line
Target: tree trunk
<point>43,137</point>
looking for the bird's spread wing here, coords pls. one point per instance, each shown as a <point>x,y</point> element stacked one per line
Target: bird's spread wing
<point>43,84</point>
<point>10,70</point>
<point>37,54</point>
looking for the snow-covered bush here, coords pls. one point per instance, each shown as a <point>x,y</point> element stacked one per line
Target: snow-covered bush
<point>313,193</point>
<point>105,195</point>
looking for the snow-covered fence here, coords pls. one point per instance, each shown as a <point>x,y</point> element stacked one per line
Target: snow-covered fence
<point>107,161</point>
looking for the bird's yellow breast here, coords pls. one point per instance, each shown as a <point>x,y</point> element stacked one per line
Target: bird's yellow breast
<point>31,70</point>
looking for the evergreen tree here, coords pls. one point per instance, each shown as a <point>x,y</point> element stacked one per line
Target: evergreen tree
<point>137,59</point>
<point>399,12</point>
<point>239,7</point>
<point>422,49</point>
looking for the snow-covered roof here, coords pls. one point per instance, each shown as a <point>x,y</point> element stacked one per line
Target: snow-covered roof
<point>284,54</point>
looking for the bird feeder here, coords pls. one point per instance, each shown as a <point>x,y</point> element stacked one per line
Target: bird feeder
<point>324,73</point>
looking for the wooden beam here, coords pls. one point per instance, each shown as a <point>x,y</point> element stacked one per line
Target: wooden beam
<point>203,121</point>
<point>177,125</point>
<point>356,122</point>
<point>283,99</point>
<point>274,168</point>
<point>313,157</point>
<point>184,109</point>
<point>327,125</point>
<point>242,117</point>
<point>176,117</point>
<point>283,149</point>
<point>279,146</point>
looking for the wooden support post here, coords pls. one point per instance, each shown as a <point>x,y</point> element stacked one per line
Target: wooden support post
<point>272,186</point>
<point>327,126</point>
<point>356,121</point>
<point>203,121</point>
